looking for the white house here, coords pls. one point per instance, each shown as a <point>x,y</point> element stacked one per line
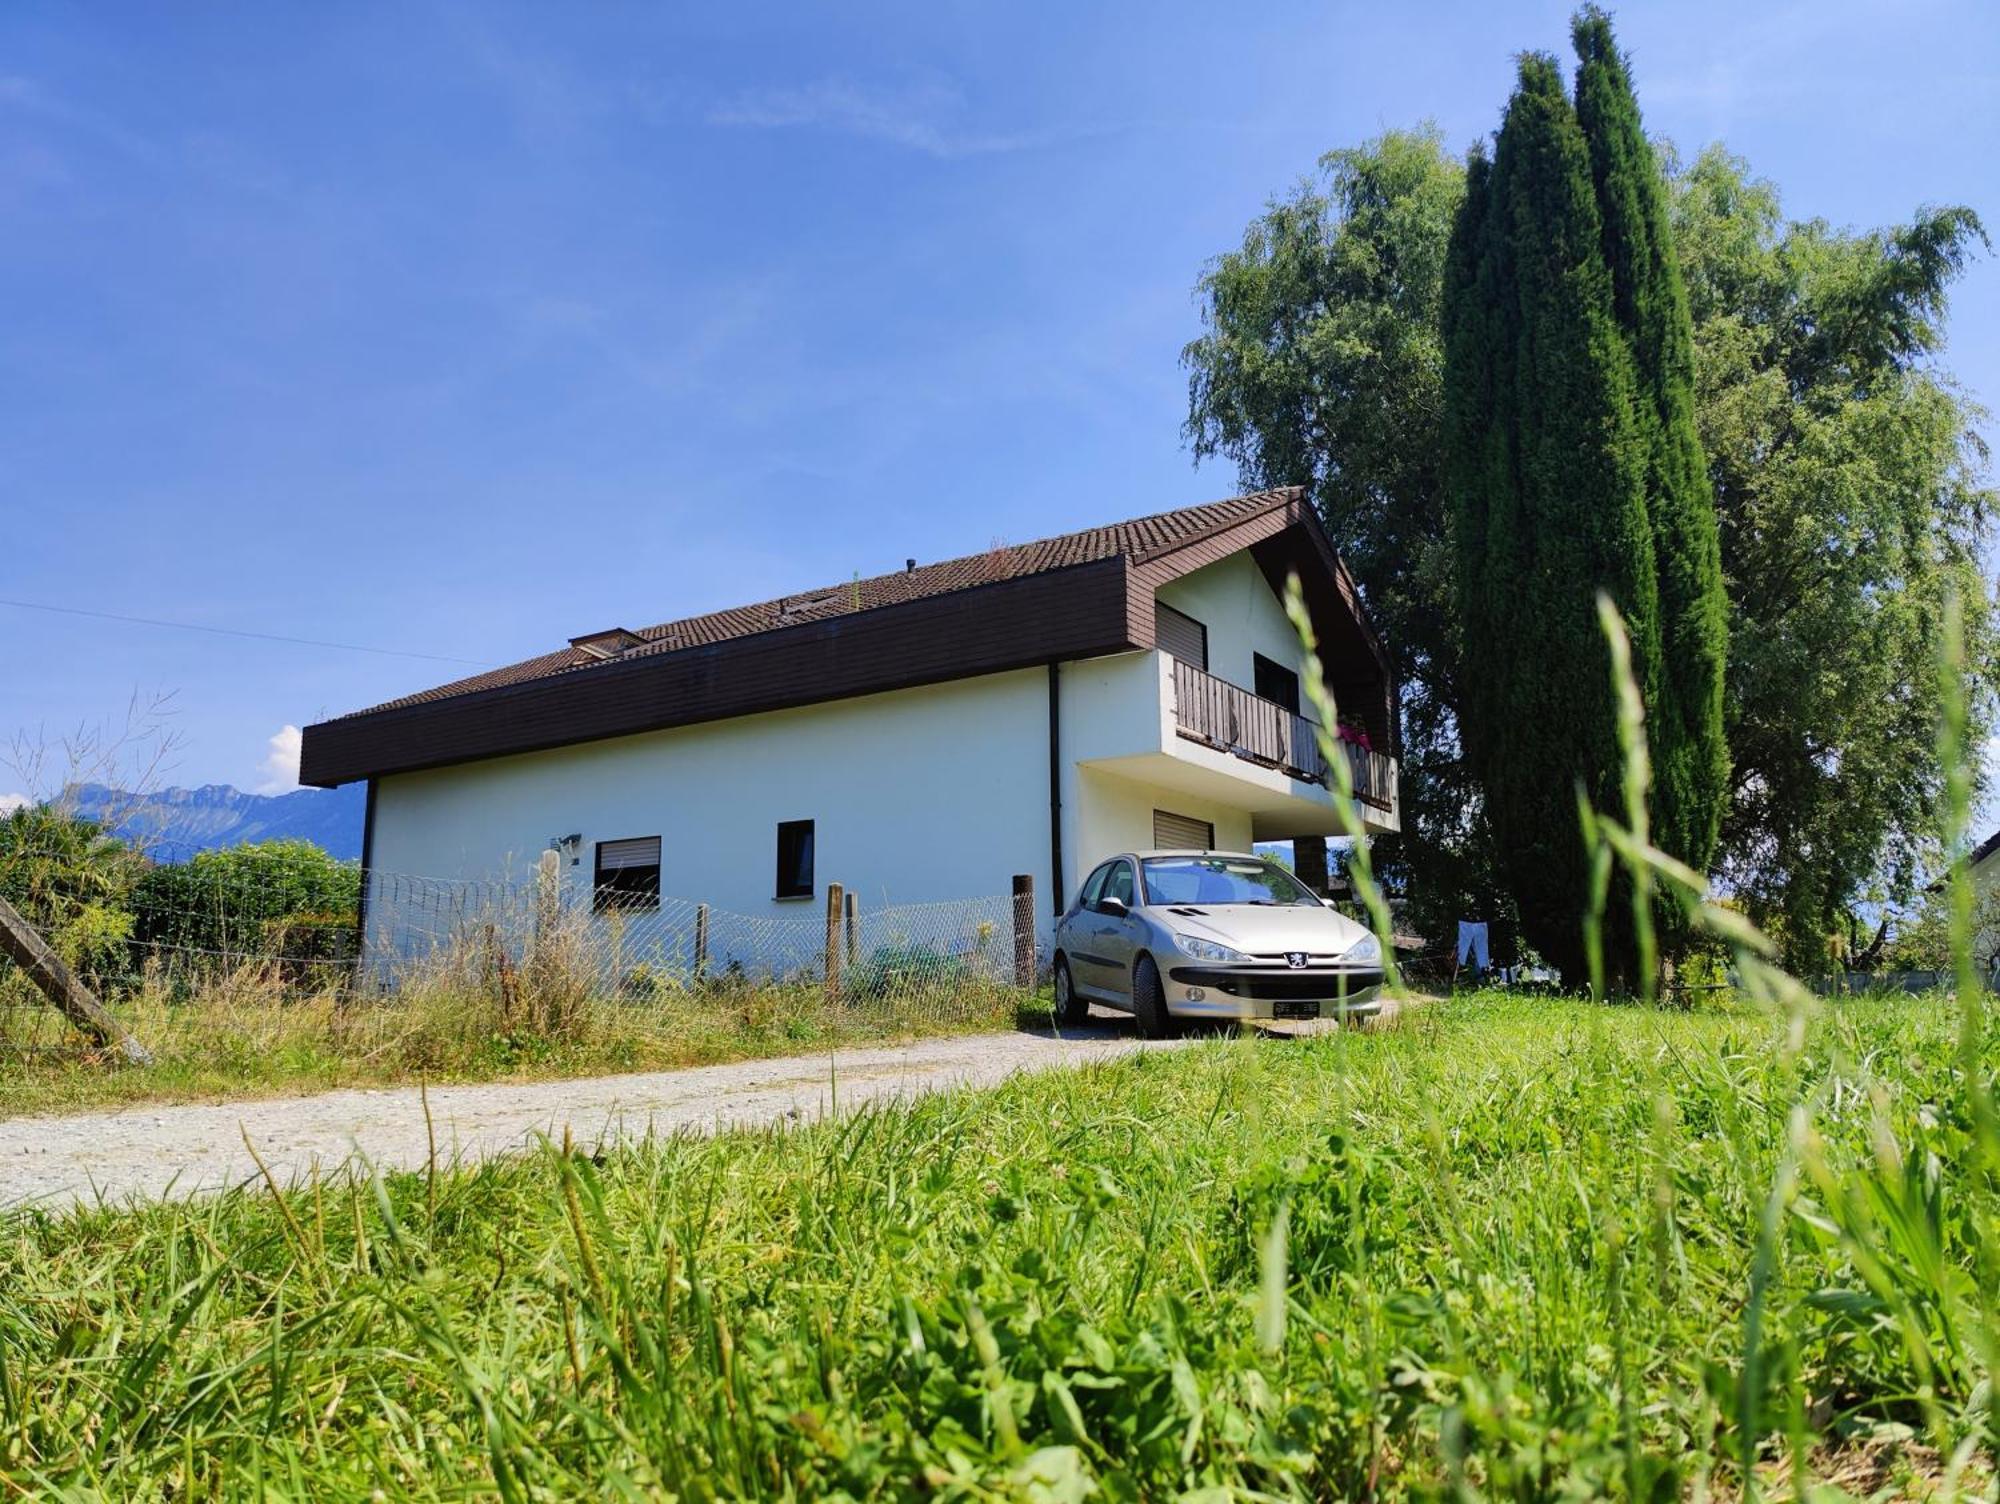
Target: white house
<point>1986,905</point>
<point>923,735</point>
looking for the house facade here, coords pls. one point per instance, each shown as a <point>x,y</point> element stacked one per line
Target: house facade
<point>918,737</point>
<point>1985,864</point>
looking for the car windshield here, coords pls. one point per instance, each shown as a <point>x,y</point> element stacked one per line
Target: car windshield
<point>1221,880</point>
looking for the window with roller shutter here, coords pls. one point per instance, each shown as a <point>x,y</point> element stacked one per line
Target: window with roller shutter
<point>1180,635</point>
<point>628,876</point>
<point>1172,832</point>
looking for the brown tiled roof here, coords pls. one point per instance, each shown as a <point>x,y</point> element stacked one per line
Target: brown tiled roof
<point>1140,539</point>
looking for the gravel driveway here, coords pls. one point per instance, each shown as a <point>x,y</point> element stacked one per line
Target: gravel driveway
<point>138,1153</point>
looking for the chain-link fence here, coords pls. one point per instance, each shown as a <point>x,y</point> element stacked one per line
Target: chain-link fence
<point>259,945</point>
<point>632,945</point>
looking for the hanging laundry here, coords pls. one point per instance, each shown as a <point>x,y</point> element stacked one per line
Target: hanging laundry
<point>1472,944</point>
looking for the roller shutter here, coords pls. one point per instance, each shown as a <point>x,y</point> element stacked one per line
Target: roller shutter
<point>1181,635</point>
<point>642,851</point>
<point>1172,832</point>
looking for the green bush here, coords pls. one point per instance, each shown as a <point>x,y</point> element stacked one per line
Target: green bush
<point>285,901</point>
<point>72,881</point>
<point>894,969</point>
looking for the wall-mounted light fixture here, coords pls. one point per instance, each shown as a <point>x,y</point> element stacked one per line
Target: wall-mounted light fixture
<point>570,843</point>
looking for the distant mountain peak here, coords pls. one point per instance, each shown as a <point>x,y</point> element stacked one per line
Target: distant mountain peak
<point>174,824</point>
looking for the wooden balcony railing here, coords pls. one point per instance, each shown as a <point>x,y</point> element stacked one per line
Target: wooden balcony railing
<point>1222,715</point>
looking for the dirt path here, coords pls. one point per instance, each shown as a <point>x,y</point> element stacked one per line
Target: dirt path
<point>150,1151</point>
<point>139,1153</point>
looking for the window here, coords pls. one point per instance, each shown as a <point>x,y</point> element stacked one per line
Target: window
<point>1277,683</point>
<point>628,876</point>
<point>1093,887</point>
<point>1172,832</point>
<point>795,859</point>
<point>1119,883</point>
<point>1181,635</point>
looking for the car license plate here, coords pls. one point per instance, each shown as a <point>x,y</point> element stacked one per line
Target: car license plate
<point>1286,1008</point>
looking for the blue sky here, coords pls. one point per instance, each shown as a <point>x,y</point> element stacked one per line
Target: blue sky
<point>461,329</point>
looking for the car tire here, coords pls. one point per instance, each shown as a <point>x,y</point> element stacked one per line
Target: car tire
<point>1149,1000</point>
<point>1071,1007</point>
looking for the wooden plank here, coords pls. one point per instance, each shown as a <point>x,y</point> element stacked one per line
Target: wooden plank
<point>25,947</point>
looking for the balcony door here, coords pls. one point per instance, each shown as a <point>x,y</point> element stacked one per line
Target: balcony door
<point>1277,683</point>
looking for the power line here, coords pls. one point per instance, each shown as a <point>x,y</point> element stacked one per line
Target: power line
<point>189,626</point>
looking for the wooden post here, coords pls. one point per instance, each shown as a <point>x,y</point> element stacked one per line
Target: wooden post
<point>853,928</point>
<point>834,904</point>
<point>1024,930</point>
<point>548,893</point>
<point>700,941</point>
<point>541,952</point>
<point>29,951</point>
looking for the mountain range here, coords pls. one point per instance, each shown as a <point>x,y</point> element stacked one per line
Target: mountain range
<point>173,824</point>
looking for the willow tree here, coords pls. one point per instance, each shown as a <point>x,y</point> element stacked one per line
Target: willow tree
<point>1545,469</point>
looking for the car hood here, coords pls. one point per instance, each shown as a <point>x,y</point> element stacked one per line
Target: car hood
<point>1261,931</point>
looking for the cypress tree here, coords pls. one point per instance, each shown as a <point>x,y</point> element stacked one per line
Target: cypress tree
<point>1684,714</point>
<point>1546,472</point>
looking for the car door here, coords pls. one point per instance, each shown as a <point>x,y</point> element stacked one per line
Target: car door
<point>1114,938</point>
<point>1078,934</point>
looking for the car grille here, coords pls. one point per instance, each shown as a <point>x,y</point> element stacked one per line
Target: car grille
<point>1273,985</point>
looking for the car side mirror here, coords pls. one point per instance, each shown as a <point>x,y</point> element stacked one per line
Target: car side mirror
<point>1117,908</point>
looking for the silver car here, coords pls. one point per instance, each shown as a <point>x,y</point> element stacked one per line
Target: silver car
<point>1209,934</point>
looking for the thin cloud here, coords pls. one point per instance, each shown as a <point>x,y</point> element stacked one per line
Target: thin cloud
<point>11,802</point>
<point>281,764</point>
<point>916,119</point>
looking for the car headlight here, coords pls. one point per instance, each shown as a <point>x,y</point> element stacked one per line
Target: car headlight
<point>1367,951</point>
<point>1207,950</point>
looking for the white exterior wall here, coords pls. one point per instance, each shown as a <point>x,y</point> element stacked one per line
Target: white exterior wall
<point>1114,708</point>
<point>1986,884</point>
<point>916,796</point>
<point>1115,814</point>
<point>1243,615</point>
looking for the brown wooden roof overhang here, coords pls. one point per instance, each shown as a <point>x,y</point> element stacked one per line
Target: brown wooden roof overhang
<point>1075,611</point>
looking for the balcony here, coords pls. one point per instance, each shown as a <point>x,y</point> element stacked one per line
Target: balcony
<point>1166,728</point>
<point>1230,719</point>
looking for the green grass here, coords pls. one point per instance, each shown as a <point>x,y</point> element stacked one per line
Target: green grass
<point>260,1040</point>
<point>1531,1249</point>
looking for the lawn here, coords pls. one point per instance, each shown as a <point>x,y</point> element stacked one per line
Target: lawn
<point>1507,1248</point>
<point>231,1043</point>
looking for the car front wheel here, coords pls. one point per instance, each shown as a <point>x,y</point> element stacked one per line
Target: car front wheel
<point>1149,1000</point>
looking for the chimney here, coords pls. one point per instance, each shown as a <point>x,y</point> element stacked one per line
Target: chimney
<point>909,566</point>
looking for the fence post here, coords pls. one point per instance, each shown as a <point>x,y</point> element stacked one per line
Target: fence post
<point>29,951</point>
<point>853,928</point>
<point>1024,929</point>
<point>700,941</point>
<point>547,911</point>
<point>548,881</point>
<point>834,905</point>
